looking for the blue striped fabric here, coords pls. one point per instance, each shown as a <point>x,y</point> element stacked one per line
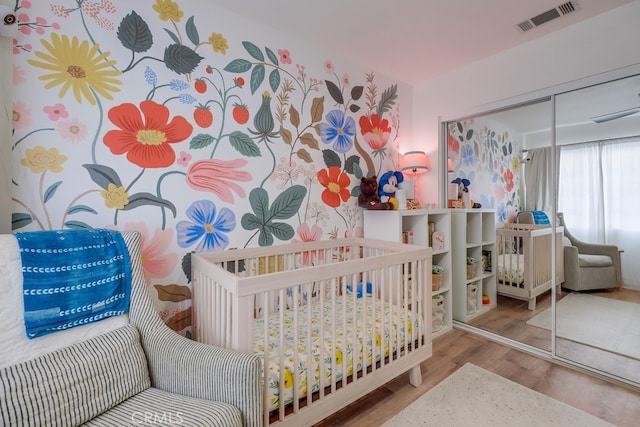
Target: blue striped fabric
<point>539,217</point>
<point>73,277</point>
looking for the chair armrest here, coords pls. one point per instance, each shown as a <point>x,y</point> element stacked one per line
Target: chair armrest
<point>180,365</point>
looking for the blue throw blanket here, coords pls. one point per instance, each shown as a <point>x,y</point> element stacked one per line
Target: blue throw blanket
<point>73,277</point>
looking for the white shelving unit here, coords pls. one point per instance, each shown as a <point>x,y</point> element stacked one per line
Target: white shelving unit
<point>473,233</point>
<point>392,226</point>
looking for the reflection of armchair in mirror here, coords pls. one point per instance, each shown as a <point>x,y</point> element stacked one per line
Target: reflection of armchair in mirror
<point>589,266</point>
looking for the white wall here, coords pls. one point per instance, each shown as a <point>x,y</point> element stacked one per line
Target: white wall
<point>602,43</point>
<point>5,134</point>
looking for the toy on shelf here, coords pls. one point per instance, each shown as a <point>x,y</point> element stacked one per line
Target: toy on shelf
<point>369,198</point>
<point>388,186</point>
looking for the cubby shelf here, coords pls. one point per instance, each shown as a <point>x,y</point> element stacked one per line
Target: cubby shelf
<point>400,225</point>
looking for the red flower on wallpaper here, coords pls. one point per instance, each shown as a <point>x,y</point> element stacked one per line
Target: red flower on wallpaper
<point>145,133</point>
<point>508,180</point>
<point>336,184</point>
<point>453,144</point>
<point>218,177</point>
<point>375,131</point>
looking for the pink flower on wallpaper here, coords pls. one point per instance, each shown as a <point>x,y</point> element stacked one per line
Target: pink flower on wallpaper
<point>21,115</point>
<point>376,131</point>
<point>309,235</point>
<point>285,57</point>
<point>508,179</point>
<point>18,75</point>
<point>183,159</point>
<point>55,112</point>
<point>157,262</point>
<point>72,130</point>
<point>499,193</point>
<point>219,177</point>
<point>453,144</point>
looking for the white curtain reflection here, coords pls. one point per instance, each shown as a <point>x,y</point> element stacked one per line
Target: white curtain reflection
<point>597,184</point>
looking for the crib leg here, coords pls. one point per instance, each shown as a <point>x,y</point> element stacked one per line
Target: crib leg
<point>532,304</point>
<point>415,376</point>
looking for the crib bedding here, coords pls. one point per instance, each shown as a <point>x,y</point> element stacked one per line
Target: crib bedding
<point>376,339</point>
<point>511,269</point>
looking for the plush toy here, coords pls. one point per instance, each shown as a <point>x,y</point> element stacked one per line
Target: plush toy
<point>389,183</point>
<point>368,197</point>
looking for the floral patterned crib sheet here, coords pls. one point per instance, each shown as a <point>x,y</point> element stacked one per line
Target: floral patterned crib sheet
<point>372,338</point>
<point>511,270</point>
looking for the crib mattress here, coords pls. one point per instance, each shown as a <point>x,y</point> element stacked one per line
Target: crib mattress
<point>362,344</point>
<point>511,270</point>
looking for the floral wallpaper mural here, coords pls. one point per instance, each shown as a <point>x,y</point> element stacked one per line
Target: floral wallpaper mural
<point>194,131</point>
<point>486,153</point>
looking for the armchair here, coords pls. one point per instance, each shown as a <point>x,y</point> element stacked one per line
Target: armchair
<point>124,370</point>
<point>589,266</point>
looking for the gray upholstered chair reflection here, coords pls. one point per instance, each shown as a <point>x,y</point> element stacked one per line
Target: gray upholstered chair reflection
<point>589,266</point>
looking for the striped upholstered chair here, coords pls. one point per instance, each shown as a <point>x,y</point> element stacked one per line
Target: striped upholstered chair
<point>124,370</point>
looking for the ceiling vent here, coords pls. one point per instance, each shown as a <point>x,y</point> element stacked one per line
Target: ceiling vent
<point>549,15</point>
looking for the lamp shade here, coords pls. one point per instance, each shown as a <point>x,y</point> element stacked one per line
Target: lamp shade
<point>449,165</point>
<point>415,161</point>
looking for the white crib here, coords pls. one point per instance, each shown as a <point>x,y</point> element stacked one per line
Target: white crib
<point>524,260</point>
<point>338,318</point>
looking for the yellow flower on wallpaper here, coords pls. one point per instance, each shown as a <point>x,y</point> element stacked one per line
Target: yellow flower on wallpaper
<point>78,66</point>
<point>40,159</point>
<point>115,197</point>
<point>219,43</point>
<point>168,10</point>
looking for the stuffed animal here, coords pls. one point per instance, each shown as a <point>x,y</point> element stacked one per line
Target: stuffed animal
<point>389,183</point>
<point>368,197</point>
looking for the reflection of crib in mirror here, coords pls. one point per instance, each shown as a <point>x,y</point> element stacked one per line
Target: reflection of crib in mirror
<point>524,260</point>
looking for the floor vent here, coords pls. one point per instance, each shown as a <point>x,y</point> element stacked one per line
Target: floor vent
<point>549,15</point>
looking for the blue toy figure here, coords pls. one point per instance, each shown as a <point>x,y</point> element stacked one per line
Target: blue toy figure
<point>389,184</point>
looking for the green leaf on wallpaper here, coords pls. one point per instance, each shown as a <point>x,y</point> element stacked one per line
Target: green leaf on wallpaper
<point>253,50</point>
<point>78,225</point>
<point>331,158</point>
<point>103,175</point>
<point>309,140</point>
<point>48,194</point>
<point>357,171</point>
<point>173,36</point>
<point>181,59</point>
<point>81,208</point>
<point>201,140</point>
<point>356,92</point>
<point>192,31</point>
<point>460,129</point>
<point>186,266</point>
<point>148,199</point>
<point>334,91</point>
<point>274,80</point>
<point>387,99</point>
<point>272,56</point>
<point>288,203</point>
<point>238,66</point>
<point>244,144</point>
<point>356,191</point>
<point>19,220</point>
<point>281,230</point>
<point>469,134</point>
<point>317,109</point>
<point>257,77</point>
<point>354,108</point>
<point>350,163</point>
<point>134,33</point>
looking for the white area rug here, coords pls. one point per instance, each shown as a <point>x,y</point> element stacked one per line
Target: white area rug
<point>599,322</point>
<point>472,396</point>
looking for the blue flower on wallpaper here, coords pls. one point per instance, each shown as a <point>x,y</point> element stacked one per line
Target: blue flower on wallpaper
<point>487,202</point>
<point>339,131</point>
<point>185,98</point>
<point>150,76</point>
<point>205,227</point>
<point>468,158</point>
<point>501,213</point>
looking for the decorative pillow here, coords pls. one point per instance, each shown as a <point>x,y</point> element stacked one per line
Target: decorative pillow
<point>75,384</point>
<point>539,217</point>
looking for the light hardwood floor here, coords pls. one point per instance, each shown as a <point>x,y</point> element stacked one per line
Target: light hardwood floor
<point>614,403</point>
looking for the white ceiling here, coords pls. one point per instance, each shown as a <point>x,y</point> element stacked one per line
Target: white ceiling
<point>412,40</point>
